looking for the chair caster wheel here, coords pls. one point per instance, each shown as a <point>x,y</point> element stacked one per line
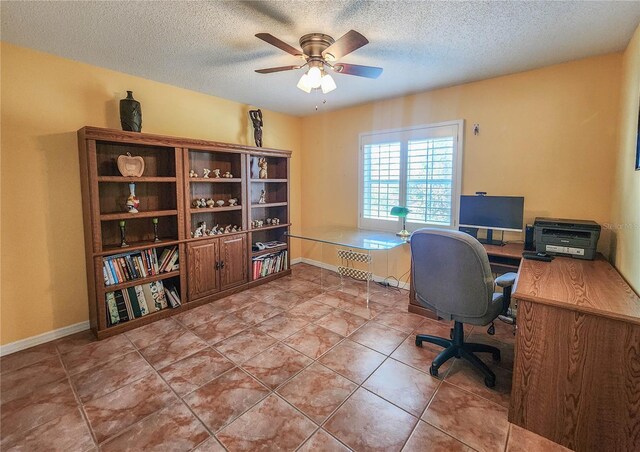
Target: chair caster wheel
<point>489,382</point>
<point>496,356</point>
<point>418,343</point>
<point>433,371</point>
<point>491,330</point>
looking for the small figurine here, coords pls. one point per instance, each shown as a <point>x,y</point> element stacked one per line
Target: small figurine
<point>192,173</point>
<point>256,118</point>
<point>206,172</point>
<point>268,220</point>
<point>262,196</point>
<point>275,221</point>
<point>220,203</point>
<point>233,202</point>
<point>216,173</point>
<point>228,175</point>
<point>262,164</point>
<point>201,229</point>
<point>132,201</point>
<point>210,203</point>
<point>214,230</point>
<point>227,229</point>
<point>234,229</point>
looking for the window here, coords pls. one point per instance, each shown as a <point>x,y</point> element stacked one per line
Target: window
<point>417,167</point>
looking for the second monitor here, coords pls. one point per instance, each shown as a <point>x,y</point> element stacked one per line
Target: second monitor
<point>503,213</point>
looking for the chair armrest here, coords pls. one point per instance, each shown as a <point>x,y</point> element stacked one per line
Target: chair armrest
<point>506,280</point>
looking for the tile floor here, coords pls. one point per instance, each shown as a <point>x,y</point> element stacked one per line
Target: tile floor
<point>286,366</point>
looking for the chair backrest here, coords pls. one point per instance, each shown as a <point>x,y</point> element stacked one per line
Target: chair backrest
<point>451,272</point>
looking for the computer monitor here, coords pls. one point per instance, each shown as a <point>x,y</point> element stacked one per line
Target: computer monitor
<point>504,213</point>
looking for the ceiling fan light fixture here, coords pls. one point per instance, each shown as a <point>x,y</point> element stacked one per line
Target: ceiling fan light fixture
<point>304,84</point>
<point>315,77</point>
<point>327,84</point>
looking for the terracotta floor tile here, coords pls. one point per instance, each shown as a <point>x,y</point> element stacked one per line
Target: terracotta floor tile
<point>402,321</point>
<point>335,298</point>
<point>173,428</point>
<point>271,424</point>
<point>427,437</point>
<point>210,445</point>
<point>19,382</point>
<point>233,303</point>
<point>367,422</point>
<point>362,308</point>
<point>503,333</point>
<point>74,341</point>
<point>317,391</point>
<point>313,340</point>
<point>465,376</point>
<point>90,355</point>
<point>196,316</point>
<point>276,365</point>
<point>111,414</point>
<point>112,375</point>
<point>341,322</point>
<point>507,349</point>
<point>282,326</point>
<point>379,337</point>
<point>245,345</point>
<point>402,385</point>
<point>469,418</point>
<point>38,406</point>
<point>223,399</point>
<point>165,330</point>
<point>321,441</point>
<point>162,354</point>
<point>285,300</point>
<point>521,440</point>
<point>220,328</point>
<point>23,358</point>
<point>190,373</point>
<point>352,360</point>
<point>419,357</point>
<point>305,272</point>
<point>258,312</point>
<point>64,433</point>
<point>311,310</point>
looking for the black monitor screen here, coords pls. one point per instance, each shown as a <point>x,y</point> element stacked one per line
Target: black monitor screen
<point>494,212</point>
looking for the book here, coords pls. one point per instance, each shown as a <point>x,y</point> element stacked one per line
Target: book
<point>112,309</point>
<point>133,299</point>
<point>142,300</point>
<point>148,296</point>
<point>174,301</point>
<point>172,260</point>
<point>158,295</point>
<point>127,303</point>
<point>123,313</point>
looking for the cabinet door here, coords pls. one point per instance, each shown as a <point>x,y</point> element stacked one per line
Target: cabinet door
<point>233,261</point>
<point>203,274</point>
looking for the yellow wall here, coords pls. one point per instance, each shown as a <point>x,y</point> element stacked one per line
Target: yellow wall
<point>547,134</point>
<point>625,217</point>
<point>45,100</point>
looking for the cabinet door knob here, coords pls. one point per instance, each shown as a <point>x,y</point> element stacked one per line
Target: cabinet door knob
<point>217,265</point>
<point>221,264</point>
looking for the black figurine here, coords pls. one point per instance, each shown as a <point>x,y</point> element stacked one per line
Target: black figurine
<point>256,117</point>
<point>130,114</point>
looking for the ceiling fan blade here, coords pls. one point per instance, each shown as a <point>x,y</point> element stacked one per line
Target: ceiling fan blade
<point>276,69</point>
<point>356,69</point>
<point>268,38</point>
<point>352,40</point>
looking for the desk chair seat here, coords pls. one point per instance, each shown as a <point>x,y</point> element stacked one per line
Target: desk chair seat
<point>452,276</point>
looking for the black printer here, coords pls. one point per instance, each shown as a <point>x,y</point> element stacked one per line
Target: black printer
<point>561,237</point>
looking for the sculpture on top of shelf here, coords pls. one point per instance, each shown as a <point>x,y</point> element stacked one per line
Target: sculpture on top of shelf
<point>268,221</point>
<point>133,202</point>
<point>234,229</point>
<point>206,172</point>
<point>216,173</point>
<point>233,202</point>
<point>201,229</point>
<point>220,202</point>
<point>211,203</point>
<point>130,166</point>
<point>262,164</point>
<point>227,229</point>
<point>256,118</point>
<point>192,173</point>
<point>130,114</point>
<point>228,175</point>
<point>262,199</point>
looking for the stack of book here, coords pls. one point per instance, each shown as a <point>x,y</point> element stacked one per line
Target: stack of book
<point>268,264</point>
<point>138,301</point>
<point>124,267</point>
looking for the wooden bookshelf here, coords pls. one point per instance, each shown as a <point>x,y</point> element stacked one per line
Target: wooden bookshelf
<point>210,267</point>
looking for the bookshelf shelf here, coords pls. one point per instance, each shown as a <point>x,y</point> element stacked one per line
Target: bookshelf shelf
<point>133,216</point>
<point>137,246</point>
<point>135,179</point>
<point>266,228</point>
<point>269,180</point>
<point>275,249</point>
<point>270,204</point>
<point>215,209</point>
<point>139,281</point>
<point>215,180</point>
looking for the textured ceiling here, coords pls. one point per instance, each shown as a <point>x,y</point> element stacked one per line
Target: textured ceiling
<point>210,46</point>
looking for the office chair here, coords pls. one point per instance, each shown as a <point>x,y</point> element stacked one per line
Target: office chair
<point>451,276</point>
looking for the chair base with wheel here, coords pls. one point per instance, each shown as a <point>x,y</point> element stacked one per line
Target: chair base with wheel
<point>458,348</point>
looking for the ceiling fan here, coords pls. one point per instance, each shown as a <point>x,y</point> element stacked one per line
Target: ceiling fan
<point>320,51</point>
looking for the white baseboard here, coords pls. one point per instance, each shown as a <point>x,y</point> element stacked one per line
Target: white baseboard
<point>297,260</point>
<point>32,341</point>
<point>305,260</point>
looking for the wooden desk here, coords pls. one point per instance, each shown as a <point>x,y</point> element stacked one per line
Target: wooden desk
<point>503,259</point>
<point>576,377</point>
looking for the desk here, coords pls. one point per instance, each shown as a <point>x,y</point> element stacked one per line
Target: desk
<point>576,377</point>
<point>503,259</point>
